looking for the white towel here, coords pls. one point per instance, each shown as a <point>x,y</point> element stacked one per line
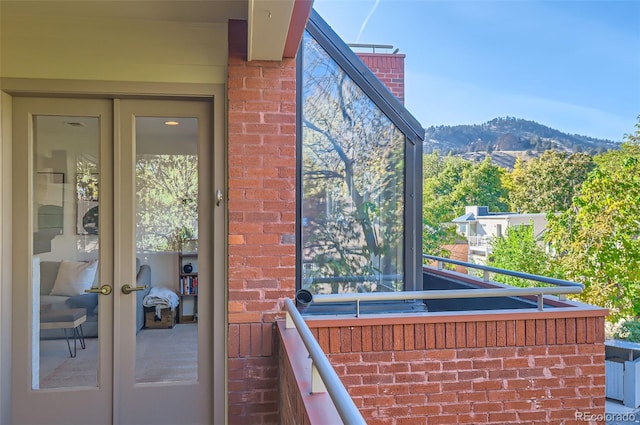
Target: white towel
<point>160,298</point>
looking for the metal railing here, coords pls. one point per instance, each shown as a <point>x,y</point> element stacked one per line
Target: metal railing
<point>477,240</point>
<point>489,269</point>
<point>324,377</point>
<point>561,288</point>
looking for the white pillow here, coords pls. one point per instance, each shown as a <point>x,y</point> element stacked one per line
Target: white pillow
<point>74,277</point>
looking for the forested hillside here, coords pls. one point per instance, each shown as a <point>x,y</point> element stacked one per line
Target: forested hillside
<point>508,138</point>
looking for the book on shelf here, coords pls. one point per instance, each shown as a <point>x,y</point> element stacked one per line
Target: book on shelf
<point>188,285</point>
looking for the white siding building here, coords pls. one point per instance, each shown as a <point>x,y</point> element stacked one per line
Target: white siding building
<point>479,226</point>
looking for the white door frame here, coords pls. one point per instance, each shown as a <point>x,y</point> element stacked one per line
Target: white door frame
<point>215,92</point>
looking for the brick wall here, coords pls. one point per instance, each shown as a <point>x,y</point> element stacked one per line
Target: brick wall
<point>459,252</point>
<point>503,371</point>
<point>292,408</point>
<point>389,68</point>
<point>261,208</point>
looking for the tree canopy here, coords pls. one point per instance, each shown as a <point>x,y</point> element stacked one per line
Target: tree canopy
<point>549,182</point>
<point>519,251</point>
<point>596,240</point>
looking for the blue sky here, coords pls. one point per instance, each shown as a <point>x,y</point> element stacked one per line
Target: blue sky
<point>571,65</point>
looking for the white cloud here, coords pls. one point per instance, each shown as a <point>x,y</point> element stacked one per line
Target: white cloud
<point>366,20</point>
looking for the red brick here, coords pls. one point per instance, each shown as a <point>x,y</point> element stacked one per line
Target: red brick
<point>487,364</point>
<point>442,398</point>
<point>459,386</point>
<point>457,365</point>
<point>548,361</point>
<point>473,396</point>
<point>394,368</point>
<point>503,417</point>
<point>456,408</point>
<point>532,416</point>
<point>487,385</point>
<point>398,337</point>
<point>503,374</point>
<point>442,376</point>
<point>439,331</point>
<point>441,355</point>
<point>487,407</point>
<point>478,353</point>
<point>394,389</point>
<point>475,374</point>
<point>425,388</point>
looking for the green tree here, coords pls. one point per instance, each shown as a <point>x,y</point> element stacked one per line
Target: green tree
<point>441,174</point>
<point>519,251</point>
<point>596,240</point>
<point>481,184</point>
<point>548,183</point>
<point>451,183</point>
<point>167,201</point>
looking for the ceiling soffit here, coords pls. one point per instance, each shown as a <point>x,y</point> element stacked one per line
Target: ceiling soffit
<point>268,28</point>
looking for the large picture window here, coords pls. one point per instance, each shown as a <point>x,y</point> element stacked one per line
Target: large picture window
<point>352,184</point>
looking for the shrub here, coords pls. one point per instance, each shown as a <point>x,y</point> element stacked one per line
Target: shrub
<point>629,330</point>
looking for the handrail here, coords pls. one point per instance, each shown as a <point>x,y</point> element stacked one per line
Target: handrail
<point>543,279</point>
<point>441,294</point>
<point>562,288</point>
<point>345,406</point>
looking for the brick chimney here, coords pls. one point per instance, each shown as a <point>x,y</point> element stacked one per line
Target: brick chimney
<point>388,67</point>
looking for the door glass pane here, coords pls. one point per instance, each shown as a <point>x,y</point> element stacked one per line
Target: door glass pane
<point>167,245</point>
<point>65,252</point>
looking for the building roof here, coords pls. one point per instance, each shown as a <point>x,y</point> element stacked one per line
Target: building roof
<point>465,218</point>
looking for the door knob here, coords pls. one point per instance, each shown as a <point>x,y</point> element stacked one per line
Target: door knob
<point>104,290</point>
<point>127,289</point>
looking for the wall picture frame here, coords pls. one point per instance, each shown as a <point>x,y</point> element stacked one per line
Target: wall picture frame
<point>87,203</point>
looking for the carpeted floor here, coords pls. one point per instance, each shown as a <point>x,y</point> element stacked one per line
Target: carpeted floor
<point>162,355</point>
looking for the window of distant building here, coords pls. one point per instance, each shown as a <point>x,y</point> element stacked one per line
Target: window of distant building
<point>358,175</point>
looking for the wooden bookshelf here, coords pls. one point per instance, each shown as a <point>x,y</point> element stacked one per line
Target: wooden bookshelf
<point>188,283</point>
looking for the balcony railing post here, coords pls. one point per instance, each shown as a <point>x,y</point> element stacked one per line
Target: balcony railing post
<point>288,324</point>
<point>540,302</point>
<point>485,276</point>
<point>317,385</point>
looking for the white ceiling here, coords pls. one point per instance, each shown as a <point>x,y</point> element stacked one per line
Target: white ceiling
<point>152,135</point>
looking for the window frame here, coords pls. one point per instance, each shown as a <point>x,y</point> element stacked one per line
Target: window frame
<point>390,106</point>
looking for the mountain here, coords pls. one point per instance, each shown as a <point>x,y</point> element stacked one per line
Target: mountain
<point>507,138</point>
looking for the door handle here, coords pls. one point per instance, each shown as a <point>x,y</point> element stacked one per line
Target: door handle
<point>219,197</point>
<point>127,289</point>
<point>104,290</point>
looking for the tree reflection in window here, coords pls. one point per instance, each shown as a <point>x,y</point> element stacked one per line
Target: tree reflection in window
<point>352,184</point>
<point>167,201</point>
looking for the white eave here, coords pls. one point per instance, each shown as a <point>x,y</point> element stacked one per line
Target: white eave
<point>268,27</point>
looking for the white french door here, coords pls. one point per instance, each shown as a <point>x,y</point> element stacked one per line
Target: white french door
<point>107,195</point>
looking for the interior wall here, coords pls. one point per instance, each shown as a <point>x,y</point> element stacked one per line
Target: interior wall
<point>164,268</point>
<point>37,45</point>
<point>5,257</point>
